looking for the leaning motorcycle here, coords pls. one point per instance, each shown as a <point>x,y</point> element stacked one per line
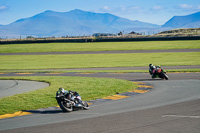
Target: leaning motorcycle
<point>160,73</point>
<point>68,102</point>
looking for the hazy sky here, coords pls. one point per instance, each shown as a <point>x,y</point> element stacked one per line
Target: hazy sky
<point>152,11</point>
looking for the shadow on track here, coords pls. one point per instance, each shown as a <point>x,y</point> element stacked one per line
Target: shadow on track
<point>146,80</point>
<point>50,110</point>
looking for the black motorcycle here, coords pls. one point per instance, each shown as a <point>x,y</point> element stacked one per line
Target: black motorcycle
<point>159,73</point>
<point>69,102</point>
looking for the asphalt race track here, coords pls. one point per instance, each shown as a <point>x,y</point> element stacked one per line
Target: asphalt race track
<point>12,87</point>
<point>172,106</point>
<point>106,52</point>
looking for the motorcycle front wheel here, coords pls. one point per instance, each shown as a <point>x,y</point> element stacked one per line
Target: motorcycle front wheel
<point>64,107</point>
<point>164,75</point>
<point>85,105</point>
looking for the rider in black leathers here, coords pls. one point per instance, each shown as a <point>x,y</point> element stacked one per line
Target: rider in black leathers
<point>152,69</point>
<point>74,93</point>
<point>78,97</point>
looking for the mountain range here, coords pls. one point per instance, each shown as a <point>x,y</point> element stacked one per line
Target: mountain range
<point>189,21</point>
<point>79,23</point>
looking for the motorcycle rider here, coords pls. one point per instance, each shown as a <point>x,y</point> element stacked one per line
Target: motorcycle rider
<point>78,98</point>
<point>152,70</point>
<point>75,96</point>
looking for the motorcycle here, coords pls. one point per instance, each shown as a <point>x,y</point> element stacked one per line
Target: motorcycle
<point>159,73</point>
<point>68,102</point>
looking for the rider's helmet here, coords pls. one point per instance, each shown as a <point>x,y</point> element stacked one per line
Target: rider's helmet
<point>150,65</point>
<point>61,89</point>
<point>75,93</point>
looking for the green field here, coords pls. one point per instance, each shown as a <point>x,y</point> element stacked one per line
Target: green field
<point>27,62</point>
<point>98,46</point>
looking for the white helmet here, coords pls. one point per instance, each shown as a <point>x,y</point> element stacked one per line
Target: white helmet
<point>62,90</point>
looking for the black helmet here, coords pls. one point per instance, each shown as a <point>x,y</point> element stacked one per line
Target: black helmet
<point>150,65</point>
<point>75,93</point>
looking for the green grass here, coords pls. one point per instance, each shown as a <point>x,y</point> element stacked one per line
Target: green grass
<point>88,88</point>
<point>99,46</point>
<point>17,62</point>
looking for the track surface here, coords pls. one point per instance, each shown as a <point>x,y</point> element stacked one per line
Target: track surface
<point>106,52</point>
<point>172,106</point>
<point>12,87</point>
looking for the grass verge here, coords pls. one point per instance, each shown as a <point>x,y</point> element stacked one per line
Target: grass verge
<point>99,46</point>
<point>9,62</point>
<point>88,88</point>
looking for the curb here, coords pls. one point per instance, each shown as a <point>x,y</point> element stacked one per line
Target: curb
<point>142,88</point>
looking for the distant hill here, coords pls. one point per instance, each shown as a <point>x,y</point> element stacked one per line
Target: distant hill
<point>80,23</point>
<point>180,32</point>
<point>72,23</point>
<point>189,21</point>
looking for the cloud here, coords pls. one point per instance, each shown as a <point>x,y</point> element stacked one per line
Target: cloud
<point>120,9</point>
<point>186,6</point>
<point>157,8</point>
<point>189,7</point>
<point>106,8</point>
<point>3,8</point>
<point>129,8</point>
